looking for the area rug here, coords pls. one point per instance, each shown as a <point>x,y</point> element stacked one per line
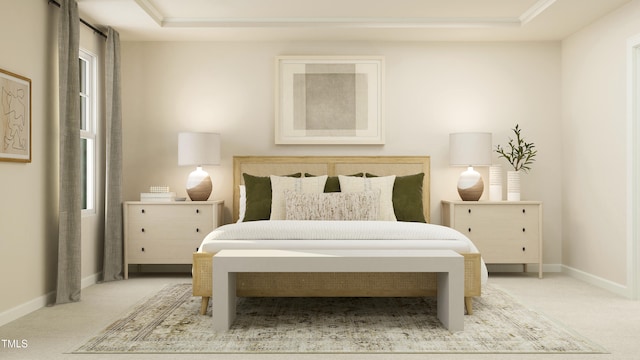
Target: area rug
<point>169,322</point>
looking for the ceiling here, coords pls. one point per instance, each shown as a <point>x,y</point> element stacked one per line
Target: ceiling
<point>345,20</point>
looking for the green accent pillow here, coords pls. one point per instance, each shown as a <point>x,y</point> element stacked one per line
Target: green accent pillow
<point>407,197</point>
<point>333,183</point>
<point>258,190</point>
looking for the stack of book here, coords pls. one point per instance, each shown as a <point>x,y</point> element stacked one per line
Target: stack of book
<point>158,193</point>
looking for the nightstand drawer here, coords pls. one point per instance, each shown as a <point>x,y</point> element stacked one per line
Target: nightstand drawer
<point>141,252</point>
<point>180,232</point>
<point>512,252</point>
<point>169,229</point>
<point>164,213</point>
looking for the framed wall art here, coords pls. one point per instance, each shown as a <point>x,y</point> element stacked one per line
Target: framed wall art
<point>329,100</point>
<point>15,117</point>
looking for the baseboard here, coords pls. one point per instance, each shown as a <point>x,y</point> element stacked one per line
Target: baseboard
<point>40,302</point>
<point>559,268</point>
<point>90,280</point>
<point>605,284</point>
<point>26,308</point>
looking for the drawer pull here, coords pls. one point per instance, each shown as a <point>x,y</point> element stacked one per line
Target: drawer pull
<point>142,249</point>
<point>197,211</point>
<point>524,211</point>
<point>524,249</point>
<point>469,211</point>
<point>142,211</point>
<point>523,229</point>
<point>197,230</point>
<point>142,229</point>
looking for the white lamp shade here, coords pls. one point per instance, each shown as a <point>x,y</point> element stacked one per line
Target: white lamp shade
<point>198,148</point>
<point>468,149</point>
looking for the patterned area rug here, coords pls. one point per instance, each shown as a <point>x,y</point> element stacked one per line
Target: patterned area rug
<point>168,322</point>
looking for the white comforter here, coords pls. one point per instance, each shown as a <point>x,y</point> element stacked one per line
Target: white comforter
<point>323,235</point>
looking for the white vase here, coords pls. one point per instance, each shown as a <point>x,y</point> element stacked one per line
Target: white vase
<point>513,186</point>
<point>495,183</point>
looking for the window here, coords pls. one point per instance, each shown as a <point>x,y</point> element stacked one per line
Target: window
<point>88,129</point>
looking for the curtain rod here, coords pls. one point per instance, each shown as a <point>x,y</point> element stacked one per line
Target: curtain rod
<point>95,29</point>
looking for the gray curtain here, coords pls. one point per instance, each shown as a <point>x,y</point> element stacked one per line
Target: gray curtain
<point>70,203</point>
<point>113,244</point>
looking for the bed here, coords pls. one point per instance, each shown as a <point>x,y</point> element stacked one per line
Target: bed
<point>297,233</point>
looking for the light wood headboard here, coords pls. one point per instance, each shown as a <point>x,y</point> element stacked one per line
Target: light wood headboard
<point>332,166</point>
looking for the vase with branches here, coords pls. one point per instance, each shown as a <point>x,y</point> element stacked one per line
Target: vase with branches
<point>519,153</point>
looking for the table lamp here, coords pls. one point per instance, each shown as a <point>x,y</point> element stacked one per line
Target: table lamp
<point>470,149</point>
<point>198,149</point>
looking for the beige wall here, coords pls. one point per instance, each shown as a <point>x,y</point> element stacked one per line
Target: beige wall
<point>432,89</point>
<point>28,215</point>
<point>594,125</point>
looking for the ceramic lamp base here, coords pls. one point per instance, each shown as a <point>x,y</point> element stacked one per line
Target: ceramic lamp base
<point>199,185</point>
<point>470,185</point>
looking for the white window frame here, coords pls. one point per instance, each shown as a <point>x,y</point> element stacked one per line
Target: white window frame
<point>89,133</point>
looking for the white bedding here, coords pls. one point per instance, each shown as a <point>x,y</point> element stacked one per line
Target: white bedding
<point>323,235</point>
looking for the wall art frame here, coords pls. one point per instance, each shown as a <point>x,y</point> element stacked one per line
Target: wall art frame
<point>329,100</point>
<point>15,117</point>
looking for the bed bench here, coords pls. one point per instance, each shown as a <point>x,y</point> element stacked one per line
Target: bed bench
<point>447,264</point>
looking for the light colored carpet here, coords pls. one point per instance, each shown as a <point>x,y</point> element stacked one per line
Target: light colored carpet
<point>168,322</point>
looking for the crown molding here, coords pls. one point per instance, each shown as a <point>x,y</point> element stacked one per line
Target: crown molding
<point>343,22</point>
<point>535,10</point>
<point>151,10</point>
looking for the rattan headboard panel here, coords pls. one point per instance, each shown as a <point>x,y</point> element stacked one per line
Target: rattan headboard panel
<point>330,165</point>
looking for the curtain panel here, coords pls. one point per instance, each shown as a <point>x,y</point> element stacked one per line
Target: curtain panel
<point>113,241</point>
<point>70,204</point>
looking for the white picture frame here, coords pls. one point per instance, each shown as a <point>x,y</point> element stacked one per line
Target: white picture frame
<point>329,100</point>
<point>15,117</point>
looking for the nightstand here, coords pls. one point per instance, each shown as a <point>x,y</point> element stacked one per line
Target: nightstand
<point>505,232</point>
<point>167,232</point>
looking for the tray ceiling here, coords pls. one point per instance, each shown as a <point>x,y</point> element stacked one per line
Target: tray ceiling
<point>345,20</point>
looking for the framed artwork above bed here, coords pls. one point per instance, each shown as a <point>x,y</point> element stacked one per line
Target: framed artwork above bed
<point>329,100</point>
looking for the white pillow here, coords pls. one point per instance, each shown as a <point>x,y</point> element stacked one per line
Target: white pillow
<point>333,206</point>
<point>382,183</point>
<point>279,184</point>
<point>242,208</point>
